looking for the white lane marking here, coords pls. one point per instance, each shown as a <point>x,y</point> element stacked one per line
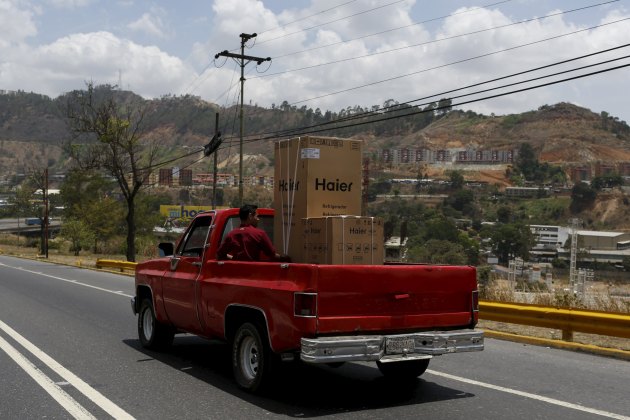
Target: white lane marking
<point>530,395</point>
<point>115,292</point>
<point>95,396</point>
<point>69,404</point>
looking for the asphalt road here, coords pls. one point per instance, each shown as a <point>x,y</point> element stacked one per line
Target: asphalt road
<point>69,349</point>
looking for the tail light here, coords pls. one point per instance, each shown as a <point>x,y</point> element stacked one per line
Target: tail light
<point>475,301</point>
<point>305,304</point>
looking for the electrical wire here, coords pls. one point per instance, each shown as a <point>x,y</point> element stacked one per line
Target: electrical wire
<point>431,42</point>
<point>457,62</point>
<point>464,102</point>
<point>307,17</point>
<point>309,130</point>
<point>475,9</point>
<point>314,129</point>
<point>421,111</point>
<point>333,21</point>
<point>442,94</point>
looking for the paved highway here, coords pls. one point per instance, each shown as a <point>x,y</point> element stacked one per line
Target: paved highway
<point>13,225</point>
<point>69,349</point>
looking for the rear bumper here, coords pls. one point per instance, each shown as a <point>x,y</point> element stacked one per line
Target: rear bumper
<point>388,348</point>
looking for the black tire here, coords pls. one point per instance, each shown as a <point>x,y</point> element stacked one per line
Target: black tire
<point>405,370</point>
<point>252,359</point>
<point>153,334</point>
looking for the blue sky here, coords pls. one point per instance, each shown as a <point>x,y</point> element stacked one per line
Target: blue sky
<point>327,54</point>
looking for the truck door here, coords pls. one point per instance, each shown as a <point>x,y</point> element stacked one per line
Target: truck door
<point>179,284</point>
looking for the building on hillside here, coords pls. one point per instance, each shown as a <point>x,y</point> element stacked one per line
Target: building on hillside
<point>602,246</point>
<point>527,192</point>
<point>395,249</point>
<point>166,177</point>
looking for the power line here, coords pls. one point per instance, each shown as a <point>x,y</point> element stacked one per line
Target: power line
<point>476,100</point>
<point>332,21</point>
<point>395,29</point>
<point>305,130</point>
<point>277,135</point>
<point>442,94</point>
<point>457,62</point>
<point>307,17</point>
<point>286,133</point>
<point>431,42</point>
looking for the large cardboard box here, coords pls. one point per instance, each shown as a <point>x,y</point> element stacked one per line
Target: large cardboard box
<point>343,240</point>
<point>314,176</point>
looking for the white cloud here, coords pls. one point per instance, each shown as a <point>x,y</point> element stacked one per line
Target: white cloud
<point>70,61</point>
<point>70,4</point>
<point>65,63</point>
<point>16,23</point>
<point>376,78</point>
<point>151,23</point>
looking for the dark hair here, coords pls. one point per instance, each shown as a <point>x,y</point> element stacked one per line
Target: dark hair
<point>246,210</point>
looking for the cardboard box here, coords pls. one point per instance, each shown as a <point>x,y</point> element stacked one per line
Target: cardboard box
<point>314,176</point>
<point>343,240</point>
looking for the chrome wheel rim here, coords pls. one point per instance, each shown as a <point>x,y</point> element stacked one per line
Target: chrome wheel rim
<point>249,358</point>
<point>147,323</point>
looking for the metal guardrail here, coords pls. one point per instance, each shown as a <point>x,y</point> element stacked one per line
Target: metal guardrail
<point>567,320</point>
<point>119,265</point>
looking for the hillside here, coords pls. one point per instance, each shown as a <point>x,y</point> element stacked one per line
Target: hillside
<point>563,133</point>
<point>33,129</point>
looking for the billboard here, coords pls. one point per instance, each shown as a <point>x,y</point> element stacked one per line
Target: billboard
<point>182,212</point>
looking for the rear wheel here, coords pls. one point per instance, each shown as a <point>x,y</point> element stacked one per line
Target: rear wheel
<point>152,333</point>
<point>252,358</point>
<point>404,370</point>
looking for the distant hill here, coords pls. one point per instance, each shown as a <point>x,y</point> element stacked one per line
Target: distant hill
<point>562,133</point>
<point>33,128</point>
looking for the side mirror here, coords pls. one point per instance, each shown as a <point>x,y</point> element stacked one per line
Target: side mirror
<point>165,249</point>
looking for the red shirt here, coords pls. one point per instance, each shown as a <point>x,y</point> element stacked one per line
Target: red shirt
<point>246,243</point>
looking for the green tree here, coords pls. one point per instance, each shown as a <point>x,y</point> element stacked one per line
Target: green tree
<point>78,233</point>
<point>457,179</point>
<point>526,161</point>
<point>606,181</point>
<point>87,196</point>
<point>22,204</point>
<point>436,251</point>
<point>108,135</point>
<point>440,228</point>
<point>511,240</point>
<point>444,106</point>
<point>504,214</point>
<point>462,201</point>
<point>582,197</point>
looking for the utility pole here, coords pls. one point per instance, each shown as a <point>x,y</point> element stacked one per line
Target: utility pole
<point>243,60</point>
<point>573,272</point>
<point>214,172</point>
<point>46,213</point>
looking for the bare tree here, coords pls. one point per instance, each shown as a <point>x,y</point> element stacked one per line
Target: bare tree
<point>107,134</point>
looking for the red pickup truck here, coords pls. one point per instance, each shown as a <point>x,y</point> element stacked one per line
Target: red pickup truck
<point>397,315</point>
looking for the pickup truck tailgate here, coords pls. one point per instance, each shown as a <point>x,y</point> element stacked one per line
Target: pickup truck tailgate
<point>394,298</point>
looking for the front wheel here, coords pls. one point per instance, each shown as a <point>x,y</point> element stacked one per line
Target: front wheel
<point>409,369</point>
<point>252,358</point>
<point>153,334</point>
